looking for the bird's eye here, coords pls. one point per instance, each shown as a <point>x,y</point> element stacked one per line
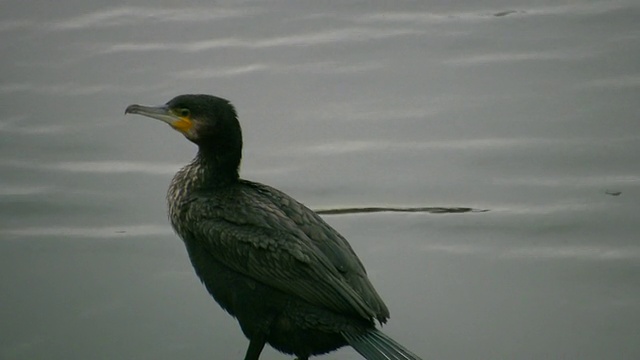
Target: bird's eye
<point>185,112</point>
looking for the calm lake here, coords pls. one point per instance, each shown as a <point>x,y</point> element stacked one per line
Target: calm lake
<point>527,109</point>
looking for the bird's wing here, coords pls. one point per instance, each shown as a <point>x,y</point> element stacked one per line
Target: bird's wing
<point>333,245</point>
<point>253,236</point>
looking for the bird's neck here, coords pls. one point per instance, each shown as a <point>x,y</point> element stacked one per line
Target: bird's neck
<point>213,169</point>
<point>206,172</point>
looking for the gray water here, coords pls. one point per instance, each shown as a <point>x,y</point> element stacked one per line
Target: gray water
<point>528,109</point>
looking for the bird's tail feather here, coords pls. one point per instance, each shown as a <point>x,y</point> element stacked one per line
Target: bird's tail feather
<point>375,345</point>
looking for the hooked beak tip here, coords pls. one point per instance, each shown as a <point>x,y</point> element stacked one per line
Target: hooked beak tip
<point>132,109</point>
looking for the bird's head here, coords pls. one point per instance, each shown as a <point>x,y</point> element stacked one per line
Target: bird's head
<point>206,120</point>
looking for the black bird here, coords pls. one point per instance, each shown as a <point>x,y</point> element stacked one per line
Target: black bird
<point>290,279</point>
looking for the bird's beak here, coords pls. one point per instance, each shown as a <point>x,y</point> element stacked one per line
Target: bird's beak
<point>162,113</point>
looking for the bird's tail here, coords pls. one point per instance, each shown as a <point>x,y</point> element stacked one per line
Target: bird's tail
<point>375,345</point>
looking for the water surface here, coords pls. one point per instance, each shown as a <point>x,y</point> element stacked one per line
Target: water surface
<point>528,110</point>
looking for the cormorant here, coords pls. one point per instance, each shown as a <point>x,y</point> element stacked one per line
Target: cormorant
<point>290,279</point>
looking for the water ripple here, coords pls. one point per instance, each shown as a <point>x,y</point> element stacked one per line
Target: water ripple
<point>626,82</point>
<point>121,231</point>
<point>351,34</point>
<point>560,252</point>
<point>208,73</point>
<point>130,15</point>
<point>427,17</point>
<point>585,180</point>
<point>70,88</point>
<point>508,57</point>
<point>324,67</point>
<point>42,129</point>
<point>100,167</point>
<point>10,25</point>
<point>7,190</point>
<point>351,146</point>
<point>114,167</point>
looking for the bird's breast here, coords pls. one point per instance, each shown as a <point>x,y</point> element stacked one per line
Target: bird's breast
<point>184,183</point>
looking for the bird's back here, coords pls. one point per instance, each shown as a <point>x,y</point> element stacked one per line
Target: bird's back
<point>325,239</point>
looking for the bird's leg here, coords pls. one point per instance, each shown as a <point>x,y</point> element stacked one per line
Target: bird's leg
<point>256,344</point>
